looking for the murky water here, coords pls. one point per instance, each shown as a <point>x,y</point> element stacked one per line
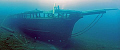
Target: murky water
<point>104,35</point>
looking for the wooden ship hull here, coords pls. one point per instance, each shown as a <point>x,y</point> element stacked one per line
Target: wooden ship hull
<point>54,30</point>
<point>54,27</point>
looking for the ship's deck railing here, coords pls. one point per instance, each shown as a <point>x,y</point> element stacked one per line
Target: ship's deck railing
<point>47,14</point>
<point>41,15</point>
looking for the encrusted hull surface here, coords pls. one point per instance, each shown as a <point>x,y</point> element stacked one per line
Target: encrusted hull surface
<point>55,31</point>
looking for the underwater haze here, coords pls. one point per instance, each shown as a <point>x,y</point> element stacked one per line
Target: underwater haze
<point>104,35</point>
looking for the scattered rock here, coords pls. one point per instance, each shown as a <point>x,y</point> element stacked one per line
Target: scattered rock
<point>7,38</point>
<point>28,42</point>
<point>11,35</point>
<point>17,46</point>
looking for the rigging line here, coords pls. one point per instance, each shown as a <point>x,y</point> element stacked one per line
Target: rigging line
<point>88,25</point>
<point>88,28</point>
<point>3,21</point>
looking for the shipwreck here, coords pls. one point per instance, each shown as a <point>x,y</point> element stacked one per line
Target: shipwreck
<point>54,26</point>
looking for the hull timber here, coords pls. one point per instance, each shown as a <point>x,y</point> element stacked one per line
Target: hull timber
<point>54,30</point>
